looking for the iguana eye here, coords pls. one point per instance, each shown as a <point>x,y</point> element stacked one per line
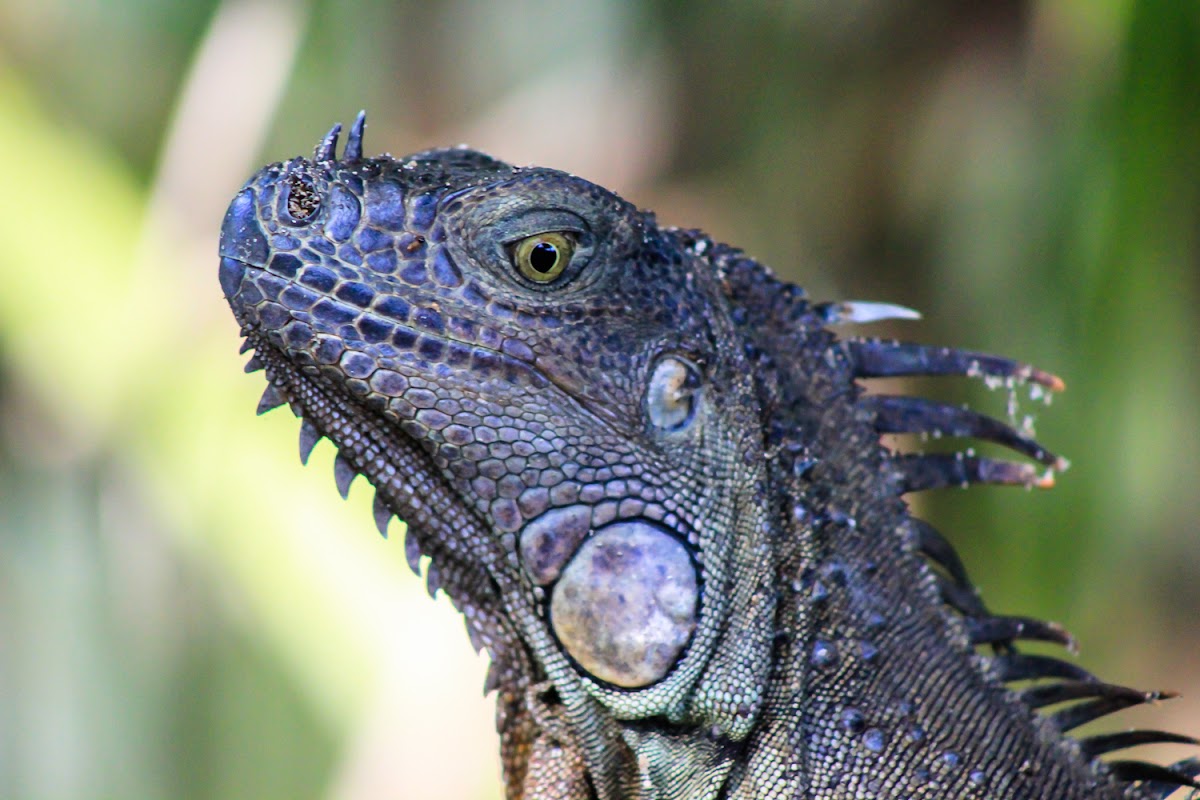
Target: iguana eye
<point>543,257</point>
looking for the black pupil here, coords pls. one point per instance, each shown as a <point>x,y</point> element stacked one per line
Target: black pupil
<point>543,257</point>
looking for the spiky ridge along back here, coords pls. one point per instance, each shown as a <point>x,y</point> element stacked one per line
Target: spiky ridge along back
<point>1043,681</point>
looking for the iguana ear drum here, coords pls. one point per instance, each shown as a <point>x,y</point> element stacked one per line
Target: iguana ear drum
<point>624,606</point>
<point>672,394</point>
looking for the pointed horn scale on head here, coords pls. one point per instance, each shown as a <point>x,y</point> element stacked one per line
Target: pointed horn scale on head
<point>354,142</point>
<point>327,149</point>
<point>877,358</point>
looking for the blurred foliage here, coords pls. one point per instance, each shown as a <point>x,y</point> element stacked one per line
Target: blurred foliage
<point>185,612</point>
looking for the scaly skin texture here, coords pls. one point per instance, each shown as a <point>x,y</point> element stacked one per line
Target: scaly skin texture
<point>652,485</point>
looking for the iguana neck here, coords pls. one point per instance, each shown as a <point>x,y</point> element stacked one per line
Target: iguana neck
<point>877,689</point>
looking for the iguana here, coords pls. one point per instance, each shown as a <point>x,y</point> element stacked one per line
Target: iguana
<point>645,471</point>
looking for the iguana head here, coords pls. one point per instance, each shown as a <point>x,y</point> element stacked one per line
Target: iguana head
<point>564,378</point>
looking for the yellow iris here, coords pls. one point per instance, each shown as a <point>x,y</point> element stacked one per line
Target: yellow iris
<point>544,256</point>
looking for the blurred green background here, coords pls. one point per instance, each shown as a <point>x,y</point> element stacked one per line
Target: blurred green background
<point>185,612</point>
